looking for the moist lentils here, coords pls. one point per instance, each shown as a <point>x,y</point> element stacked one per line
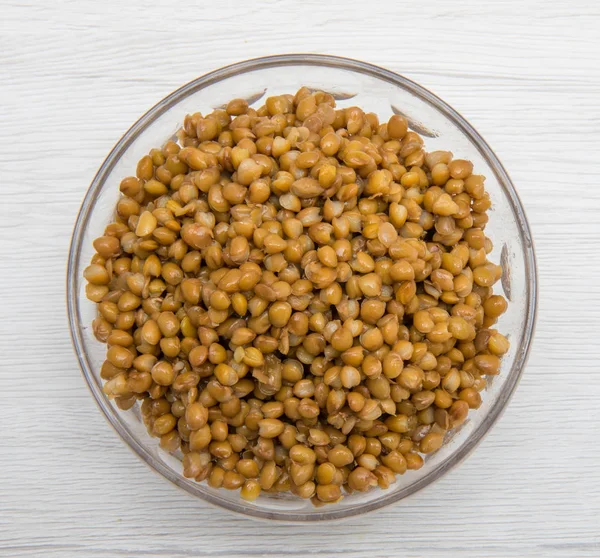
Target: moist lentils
<point>300,296</point>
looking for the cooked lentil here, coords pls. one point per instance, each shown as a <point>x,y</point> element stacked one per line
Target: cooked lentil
<point>299,295</point>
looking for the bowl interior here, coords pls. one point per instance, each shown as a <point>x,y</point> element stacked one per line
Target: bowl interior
<point>351,83</point>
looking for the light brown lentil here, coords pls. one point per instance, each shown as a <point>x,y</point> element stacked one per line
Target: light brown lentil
<point>301,296</point>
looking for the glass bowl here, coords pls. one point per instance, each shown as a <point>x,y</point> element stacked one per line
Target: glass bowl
<point>351,83</point>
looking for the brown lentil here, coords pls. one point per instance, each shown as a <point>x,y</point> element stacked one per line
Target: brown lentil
<point>300,296</point>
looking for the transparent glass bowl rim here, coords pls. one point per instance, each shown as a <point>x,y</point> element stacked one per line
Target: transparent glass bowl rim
<point>303,60</point>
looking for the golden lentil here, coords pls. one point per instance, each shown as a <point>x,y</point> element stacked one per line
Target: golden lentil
<point>300,297</point>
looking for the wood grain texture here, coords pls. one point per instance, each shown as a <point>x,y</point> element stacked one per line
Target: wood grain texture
<point>76,74</point>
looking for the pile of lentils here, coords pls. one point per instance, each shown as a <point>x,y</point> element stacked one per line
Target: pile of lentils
<point>299,296</point>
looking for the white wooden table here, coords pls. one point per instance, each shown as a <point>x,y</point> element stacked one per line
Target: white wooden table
<point>75,74</point>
